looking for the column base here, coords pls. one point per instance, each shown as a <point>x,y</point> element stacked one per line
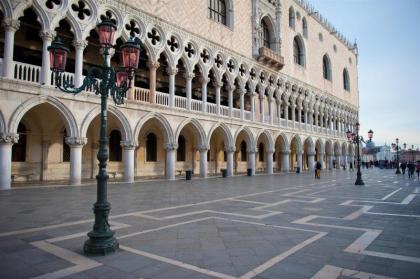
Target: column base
<point>100,245</point>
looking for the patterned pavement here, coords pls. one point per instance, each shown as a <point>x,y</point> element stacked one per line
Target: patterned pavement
<point>280,226</point>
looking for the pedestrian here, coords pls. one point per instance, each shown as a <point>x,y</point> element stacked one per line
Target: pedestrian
<point>418,170</point>
<point>403,167</point>
<point>351,166</point>
<point>409,167</point>
<point>318,168</point>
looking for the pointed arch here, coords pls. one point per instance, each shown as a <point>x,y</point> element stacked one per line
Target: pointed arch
<point>292,17</point>
<point>68,117</point>
<point>126,131</point>
<point>268,139</point>
<point>326,67</point>
<point>299,52</point>
<point>267,36</point>
<point>249,137</point>
<point>310,144</point>
<point>196,124</point>
<point>2,124</point>
<point>297,139</point>
<point>167,130</point>
<point>225,131</point>
<point>329,148</point>
<point>284,142</point>
<point>346,80</point>
<point>304,27</point>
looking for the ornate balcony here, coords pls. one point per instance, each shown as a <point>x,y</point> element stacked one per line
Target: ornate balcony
<point>271,58</point>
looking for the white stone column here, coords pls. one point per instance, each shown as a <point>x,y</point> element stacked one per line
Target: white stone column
<point>203,161</point>
<point>311,161</point>
<point>230,89</point>
<point>217,86</point>
<point>6,143</point>
<point>321,160</point>
<point>252,99</point>
<point>286,112</point>
<point>10,27</point>
<point>242,102</point>
<point>128,160</point>
<point>270,110</point>
<point>170,160</point>
<point>337,161</point>
<point>204,82</point>
<point>78,68</point>
<point>278,103</point>
<point>345,161</point>
<point>293,114</point>
<point>153,66</point>
<point>285,161</point>
<point>189,77</point>
<point>47,37</point>
<point>171,72</point>
<point>299,156</point>
<point>262,108</point>
<point>251,160</point>
<point>76,146</point>
<point>229,163</point>
<point>270,161</point>
<point>330,161</point>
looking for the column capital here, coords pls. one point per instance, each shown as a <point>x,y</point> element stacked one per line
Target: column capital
<point>218,84</point>
<point>171,146</point>
<point>171,71</point>
<point>47,35</point>
<point>128,144</point>
<point>189,75</point>
<point>8,138</point>
<point>252,150</point>
<point>270,151</point>
<point>11,24</point>
<point>204,80</point>
<point>286,152</point>
<point>153,65</point>
<point>80,44</point>
<point>202,148</point>
<point>230,149</point>
<point>76,141</point>
<point>230,87</point>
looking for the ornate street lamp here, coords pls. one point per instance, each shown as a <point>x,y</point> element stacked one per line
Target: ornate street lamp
<point>112,83</point>
<point>355,138</point>
<point>398,157</point>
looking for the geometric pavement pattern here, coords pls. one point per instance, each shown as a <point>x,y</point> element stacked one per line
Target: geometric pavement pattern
<point>266,226</point>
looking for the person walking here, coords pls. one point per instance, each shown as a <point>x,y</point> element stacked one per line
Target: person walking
<point>418,170</point>
<point>409,167</point>
<point>351,166</point>
<point>403,167</point>
<point>318,168</point>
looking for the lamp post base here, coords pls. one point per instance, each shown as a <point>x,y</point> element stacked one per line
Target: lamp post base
<point>100,245</point>
<point>398,171</point>
<point>359,182</point>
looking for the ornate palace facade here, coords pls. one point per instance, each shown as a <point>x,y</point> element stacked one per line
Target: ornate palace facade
<point>266,85</point>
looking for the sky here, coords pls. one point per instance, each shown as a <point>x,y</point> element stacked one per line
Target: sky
<point>388,37</point>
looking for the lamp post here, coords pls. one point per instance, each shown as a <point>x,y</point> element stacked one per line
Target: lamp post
<point>112,83</point>
<point>398,157</point>
<point>355,138</point>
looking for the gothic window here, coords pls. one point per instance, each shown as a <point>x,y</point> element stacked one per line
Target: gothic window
<point>304,28</point>
<point>66,148</point>
<point>265,35</point>
<point>261,152</point>
<point>326,67</point>
<point>180,153</point>
<point>346,80</point>
<point>151,148</point>
<point>292,17</point>
<point>19,148</point>
<point>243,151</point>
<point>115,150</point>
<point>298,51</point>
<point>217,11</point>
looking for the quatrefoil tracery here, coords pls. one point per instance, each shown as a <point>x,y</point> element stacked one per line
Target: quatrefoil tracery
<point>242,70</point>
<point>173,44</point>
<point>51,4</point>
<point>109,16</point>
<point>218,60</point>
<point>189,49</point>
<point>231,66</point>
<point>205,56</point>
<point>133,28</point>
<point>81,10</point>
<point>154,36</point>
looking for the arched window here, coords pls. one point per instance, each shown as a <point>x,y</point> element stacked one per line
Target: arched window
<point>243,151</point>
<point>304,28</point>
<point>217,11</point>
<point>292,17</point>
<point>265,35</point>
<point>66,148</point>
<point>19,148</point>
<point>180,153</point>
<point>326,67</point>
<point>261,152</point>
<point>151,148</point>
<point>115,150</point>
<point>298,51</point>
<point>346,80</point>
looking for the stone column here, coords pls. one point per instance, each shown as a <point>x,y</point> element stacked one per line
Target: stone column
<point>270,161</point>
<point>6,143</point>
<point>78,68</point>
<point>218,85</point>
<point>170,160</point>
<point>171,72</point>
<point>278,111</point>
<point>229,164</point>
<point>337,161</point>
<point>153,66</point>
<point>285,161</point>
<point>47,37</point>
<point>44,159</point>
<point>330,161</point>
<point>93,159</point>
<point>203,160</point>
<point>286,112</point>
<point>204,82</point>
<point>242,102</point>
<point>262,108</point>
<point>321,159</point>
<point>128,160</point>
<point>10,27</point>
<point>293,114</point>
<point>311,160</point>
<point>189,77</point>
<point>130,92</point>
<point>251,160</point>
<point>230,89</point>
<point>76,146</point>
<point>252,99</point>
<point>299,156</point>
